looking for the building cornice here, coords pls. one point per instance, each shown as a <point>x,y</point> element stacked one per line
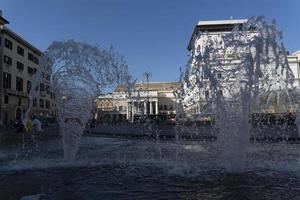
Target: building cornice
<point>213,23</point>
<point>21,40</point>
<point>3,21</point>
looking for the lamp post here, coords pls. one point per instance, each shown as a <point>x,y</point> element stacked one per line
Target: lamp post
<point>147,75</point>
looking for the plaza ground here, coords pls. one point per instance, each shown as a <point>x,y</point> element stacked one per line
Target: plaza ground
<point>116,168</point>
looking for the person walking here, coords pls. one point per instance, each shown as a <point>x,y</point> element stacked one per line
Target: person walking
<point>37,125</point>
<point>37,128</point>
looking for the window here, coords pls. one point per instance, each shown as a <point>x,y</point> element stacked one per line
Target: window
<point>19,84</point>
<point>47,104</point>
<point>20,66</point>
<point>6,99</point>
<point>198,49</point>
<point>205,75</point>
<point>42,87</point>
<point>28,86</point>
<point>19,101</point>
<point>34,103</point>
<point>120,108</point>
<point>41,103</point>
<point>33,58</point>
<point>221,92</point>
<point>206,94</point>
<point>30,56</point>
<point>219,75</point>
<point>7,60</point>
<point>6,80</point>
<point>30,70</point>
<point>47,89</point>
<point>171,107</point>
<point>165,107</point>
<point>8,44</point>
<point>20,51</point>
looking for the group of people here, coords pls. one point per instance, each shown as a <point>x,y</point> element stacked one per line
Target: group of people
<point>28,125</point>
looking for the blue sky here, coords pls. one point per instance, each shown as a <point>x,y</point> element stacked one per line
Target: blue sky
<point>152,35</point>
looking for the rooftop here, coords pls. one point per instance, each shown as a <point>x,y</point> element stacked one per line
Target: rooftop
<point>3,20</point>
<point>14,35</point>
<point>215,26</point>
<point>152,86</point>
<point>297,54</point>
<point>222,22</point>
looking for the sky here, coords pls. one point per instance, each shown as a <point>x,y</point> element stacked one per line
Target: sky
<point>152,35</point>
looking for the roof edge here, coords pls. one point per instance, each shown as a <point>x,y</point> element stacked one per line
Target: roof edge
<point>21,40</point>
<point>214,22</point>
<point>4,20</point>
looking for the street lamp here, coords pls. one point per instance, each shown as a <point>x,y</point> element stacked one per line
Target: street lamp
<point>147,75</point>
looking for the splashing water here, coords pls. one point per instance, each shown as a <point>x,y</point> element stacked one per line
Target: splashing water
<point>231,71</point>
<point>79,73</point>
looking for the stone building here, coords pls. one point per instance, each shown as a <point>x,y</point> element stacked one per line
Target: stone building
<point>294,63</point>
<point>152,99</point>
<point>196,98</point>
<point>19,61</point>
<point>104,107</point>
<point>214,30</point>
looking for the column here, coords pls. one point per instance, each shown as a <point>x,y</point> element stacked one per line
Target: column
<point>127,111</point>
<point>145,107</point>
<point>151,108</point>
<point>133,109</point>
<point>156,107</point>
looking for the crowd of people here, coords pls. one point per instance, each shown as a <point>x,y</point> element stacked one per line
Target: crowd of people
<point>32,124</point>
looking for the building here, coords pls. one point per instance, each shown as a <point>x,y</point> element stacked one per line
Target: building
<point>19,62</point>
<point>209,35</point>
<point>214,30</point>
<point>294,63</point>
<point>152,99</point>
<point>105,109</point>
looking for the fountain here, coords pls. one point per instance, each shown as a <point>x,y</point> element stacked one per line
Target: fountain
<point>253,68</point>
<point>79,73</point>
<point>235,68</point>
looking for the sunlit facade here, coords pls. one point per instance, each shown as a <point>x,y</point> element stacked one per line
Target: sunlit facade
<point>151,99</point>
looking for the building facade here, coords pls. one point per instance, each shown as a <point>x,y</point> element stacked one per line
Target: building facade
<point>19,61</point>
<point>294,64</point>
<point>209,35</point>
<point>196,97</point>
<point>152,99</point>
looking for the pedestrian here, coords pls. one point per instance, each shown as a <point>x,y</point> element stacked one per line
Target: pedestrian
<point>37,128</point>
<point>19,125</point>
<point>29,126</point>
<point>37,125</point>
